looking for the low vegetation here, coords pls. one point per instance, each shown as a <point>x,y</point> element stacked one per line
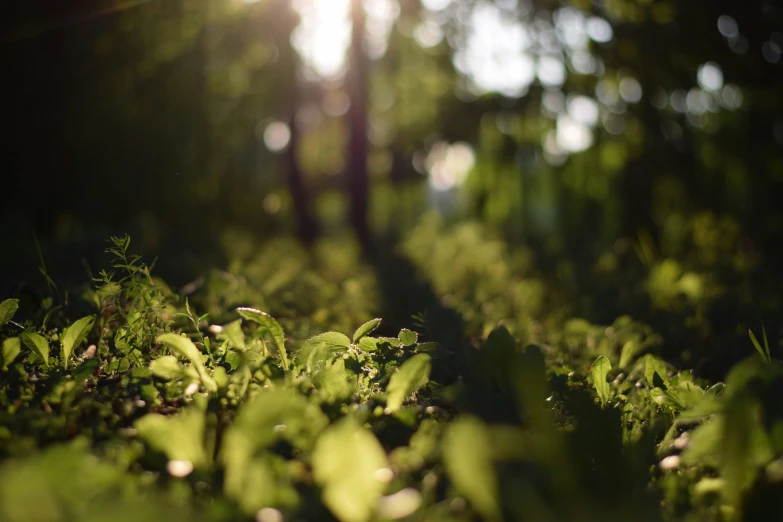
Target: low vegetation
<point>200,405</point>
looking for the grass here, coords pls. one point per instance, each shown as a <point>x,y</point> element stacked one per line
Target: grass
<point>273,391</point>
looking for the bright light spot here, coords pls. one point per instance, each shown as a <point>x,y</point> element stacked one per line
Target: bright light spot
<point>677,101</point>
<point>323,35</point>
<point>710,77</point>
<point>551,71</point>
<point>630,90</point>
<point>583,62</point>
<point>731,97</point>
<point>336,103</point>
<point>771,51</point>
<point>583,109</point>
<point>570,25</point>
<point>728,26</point>
<point>269,515</point>
<point>179,468</point>
<point>553,154</point>
<point>448,165</point>
<point>399,505</point>
<point>572,136</point>
<point>436,5</point>
<point>383,475</point>
<point>696,101</point>
<point>606,92</point>
<point>381,15</point>
<point>428,34</point>
<point>599,30</point>
<point>272,204</point>
<point>553,102</point>
<point>495,57</point>
<point>276,136</point>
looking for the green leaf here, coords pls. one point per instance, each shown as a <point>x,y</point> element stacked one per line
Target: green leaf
<point>75,335</point>
<point>764,353</point>
<point>38,344</point>
<point>11,348</point>
<point>167,368</point>
<point>366,329</point>
<point>185,348</point>
<point>257,426</point>
<point>179,437</point>
<point>411,376</point>
<point>629,352</point>
<point>271,325</point>
<point>652,366</point>
<point>7,310</point>
<point>317,350</point>
<point>350,466</point>
<point>408,337</point>
<point>368,344</point>
<point>599,371</point>
<point>467,456</point>
<point>233,331</point>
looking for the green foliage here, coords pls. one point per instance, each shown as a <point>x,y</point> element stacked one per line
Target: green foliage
<point>7,310</point>
<point>467,455</point>
<point>12,346</point>
<point>184,347</point>
<point>593,426</point>
<point>74,336</point>
<point>600,371</point>
<point>366,329</point>
<point>38,344</point>
<point>180,437</point>
<point>350,466</point>
<point>409,377</point>
<point>274,329</point>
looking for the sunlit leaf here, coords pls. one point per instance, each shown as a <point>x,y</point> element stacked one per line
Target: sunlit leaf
<point>350,466</point>
<point>75,335</point>
<point>179,437</point>
<point>185,348</point>
<point>271,325</point>
<point>653,366</point>
<point>319,349</point>
<point>366,329</point>
<point>599,371</point>
<point>408,337</point>
<point>411,376</point>
<point>167,367</point>
<point>236,336</point>
<point>11,348</point>
<point>7,310</point>
<point>467,455</point>
<point>38,344</point>
<point>629,352</point>
<point>368,344</point>
<point>268,417</point>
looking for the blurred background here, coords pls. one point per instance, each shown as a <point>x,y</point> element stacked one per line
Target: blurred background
<point>583,130</point>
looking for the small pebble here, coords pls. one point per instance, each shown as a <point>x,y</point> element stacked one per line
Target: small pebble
<point>191,389</point>
<point>669,463</point>
<point>179,468</point>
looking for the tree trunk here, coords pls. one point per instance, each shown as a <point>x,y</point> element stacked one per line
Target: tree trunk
<point>356,161</point>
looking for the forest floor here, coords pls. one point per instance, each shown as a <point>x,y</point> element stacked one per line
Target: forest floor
<point>451,377</point>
